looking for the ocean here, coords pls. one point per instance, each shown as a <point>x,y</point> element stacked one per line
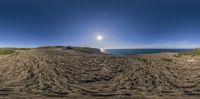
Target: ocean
<point>141,51</point>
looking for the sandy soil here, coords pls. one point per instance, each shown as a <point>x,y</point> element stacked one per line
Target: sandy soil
<point>58,73</point>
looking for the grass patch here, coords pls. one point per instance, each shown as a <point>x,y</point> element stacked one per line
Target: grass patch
<point>21,48</point>
<point>168,60</point>
<point>6,51</point>
<point>195,52</point>
<point>143,59</point>
<point>46,47</point>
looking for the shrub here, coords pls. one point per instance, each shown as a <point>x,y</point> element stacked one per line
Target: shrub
<point>195,52</point>
<point>6,51</point>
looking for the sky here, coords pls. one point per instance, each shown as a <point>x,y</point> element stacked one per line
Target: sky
<point>121,23</point>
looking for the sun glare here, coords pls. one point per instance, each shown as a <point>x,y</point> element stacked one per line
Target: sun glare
<point>99,37</point>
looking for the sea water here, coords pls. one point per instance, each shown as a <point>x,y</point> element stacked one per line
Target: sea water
<point>141,51</point>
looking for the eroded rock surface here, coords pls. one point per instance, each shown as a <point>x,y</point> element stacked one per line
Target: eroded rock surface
<point>69,73</point>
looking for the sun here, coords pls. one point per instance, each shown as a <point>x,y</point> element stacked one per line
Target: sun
<point>99,37</point>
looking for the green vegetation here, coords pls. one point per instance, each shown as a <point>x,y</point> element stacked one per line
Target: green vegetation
<point>6,51</point>
<point>143,59</point>
<point>195,52</point>
<point>21,48</point>
<point>168,60</point>
<point>45,47</point>
<point>86,50</point>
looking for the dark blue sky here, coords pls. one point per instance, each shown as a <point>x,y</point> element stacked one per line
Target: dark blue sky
<point>122,23</point>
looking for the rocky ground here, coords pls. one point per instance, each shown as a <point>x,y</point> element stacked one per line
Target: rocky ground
<point>58,73</point>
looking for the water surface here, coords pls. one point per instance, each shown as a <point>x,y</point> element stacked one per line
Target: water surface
<point>141,51</point>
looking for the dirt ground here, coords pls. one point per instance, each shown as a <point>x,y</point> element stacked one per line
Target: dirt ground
<point>71,74</point>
